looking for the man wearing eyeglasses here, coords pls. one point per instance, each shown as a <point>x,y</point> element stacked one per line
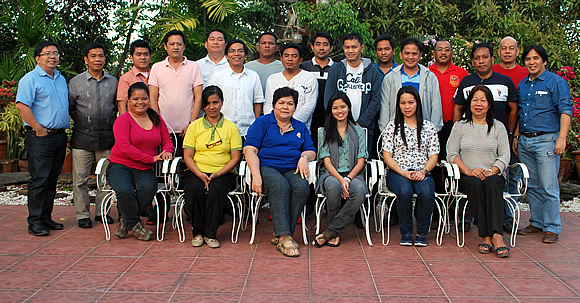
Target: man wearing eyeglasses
<point>243,95</point>
<point>42,101</point>
<point>93,108</point>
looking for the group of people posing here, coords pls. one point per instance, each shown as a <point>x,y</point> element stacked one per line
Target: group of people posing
<point>282,114</point>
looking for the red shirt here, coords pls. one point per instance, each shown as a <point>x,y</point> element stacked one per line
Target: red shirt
<point>517,73</point>
<point>448,83</point>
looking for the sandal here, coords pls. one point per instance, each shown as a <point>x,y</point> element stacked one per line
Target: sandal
<point>288,247</point>
<point>485,248</point>
<point>499,251</point>
<point>275,240</point>
<point>325,236</point>
<point>333,245</point>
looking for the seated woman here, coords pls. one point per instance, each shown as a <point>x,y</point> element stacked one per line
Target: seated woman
<point>212,149</point>
<point>277,149</point>
<point>478,144</point>
<point>410,149</point>
<point>343,150</point>
<point>138,134</point>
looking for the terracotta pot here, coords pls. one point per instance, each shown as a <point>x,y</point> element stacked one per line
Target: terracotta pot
<point>3,149</point>
<point>9,165</point>
<point>577,159</point>
<point>568,168</point>
<point>67,166</point>
<point>23,164</point>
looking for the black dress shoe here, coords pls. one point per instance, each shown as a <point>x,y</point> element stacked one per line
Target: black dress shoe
<point>508,226</point>
<point>85,223</point>
<point>466,226</point>
<point>38,230</point>
<point>53,225</point>
<point>100,219</point>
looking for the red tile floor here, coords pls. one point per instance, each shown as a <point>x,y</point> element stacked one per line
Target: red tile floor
<point>78,265</point>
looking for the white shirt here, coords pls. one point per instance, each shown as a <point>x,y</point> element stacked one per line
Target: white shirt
<point>306,85</point>
<point>208,68</point>
<point>354,77</point>
<point>241,91</point>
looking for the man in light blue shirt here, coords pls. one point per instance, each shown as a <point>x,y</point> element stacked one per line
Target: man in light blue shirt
<point>42,101</point>
<point>545,113</point>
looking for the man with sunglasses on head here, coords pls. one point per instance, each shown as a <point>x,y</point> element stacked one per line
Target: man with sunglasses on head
<point>42,101</point>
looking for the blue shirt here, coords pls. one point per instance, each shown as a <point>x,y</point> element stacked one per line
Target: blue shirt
<point>395,64</point>
<point>542,101</point>
<point>277,150</point>
<point>46,97</point>
<point>413,80</point>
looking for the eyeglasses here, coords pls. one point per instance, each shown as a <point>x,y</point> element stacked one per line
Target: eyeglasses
<point>48,54</point>
<point>447,50</point>
<point>216,143</point>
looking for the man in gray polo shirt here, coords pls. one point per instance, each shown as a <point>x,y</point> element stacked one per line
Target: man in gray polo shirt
<point>93,108</point>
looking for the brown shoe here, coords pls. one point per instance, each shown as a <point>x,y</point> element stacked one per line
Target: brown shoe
<point>529,230</point>
<point>141,232</point>
<point>550,237</point>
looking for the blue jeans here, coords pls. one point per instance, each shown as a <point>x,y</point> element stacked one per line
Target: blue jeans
<point>340,215</point>
<point>538,154</point>
<point>287,193</point>
<point>135,190</point>
<point>45,158</point>
<point>404,189</point>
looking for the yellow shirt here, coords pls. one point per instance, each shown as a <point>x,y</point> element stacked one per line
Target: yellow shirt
<point>212,144</point>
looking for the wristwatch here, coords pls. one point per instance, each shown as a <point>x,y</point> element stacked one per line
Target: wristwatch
<point>426,172</point>
<point>491,171</point>
<point>347,179</point>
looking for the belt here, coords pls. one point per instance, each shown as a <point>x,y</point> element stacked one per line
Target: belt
<point>529,134</point>
<point>50,130</point>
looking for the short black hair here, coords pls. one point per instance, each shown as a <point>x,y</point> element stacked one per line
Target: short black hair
<point>387,38</point>
<point>321,35</point>
<point>217,30</point>
<point>413,41</point>
<point>246,50</point>
<point>208,91</point>
<point>285,92</point>
<point>539,49</point>
<point>442,40</point>
<point>291,45</point>
<point>268,33</point>
<point>174,32</point>
<point>139,43</point>
<point>353,36</point>
<point>93,45</point>
<point>40,46</point>
<point>479,45</point>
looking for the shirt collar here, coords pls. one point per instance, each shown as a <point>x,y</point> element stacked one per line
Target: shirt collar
<point>137,72</point>
<point>206,123</point>
<point>182,62</point>
<point>416,74</point>
<point>41,72</point>
<point>89,76</point>
<point>330,63</point>
<point>232,72</point>
<point>542,76</point>
<point>274,121</point>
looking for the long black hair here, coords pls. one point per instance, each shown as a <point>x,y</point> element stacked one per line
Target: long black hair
<point>208,91</point>
<point>153,115</point>
<point>490,112</point>
<point>330,123</point>
<point>400,119</point>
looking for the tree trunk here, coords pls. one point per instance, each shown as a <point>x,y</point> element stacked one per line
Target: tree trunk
<point>127,43</point>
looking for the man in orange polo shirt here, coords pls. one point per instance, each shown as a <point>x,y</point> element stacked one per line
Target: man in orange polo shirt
<point>140,55</point>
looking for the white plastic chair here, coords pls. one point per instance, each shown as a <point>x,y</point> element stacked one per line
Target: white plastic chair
<point>510,199</point>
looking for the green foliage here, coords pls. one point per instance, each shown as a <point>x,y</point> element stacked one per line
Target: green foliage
<point>11,124</point>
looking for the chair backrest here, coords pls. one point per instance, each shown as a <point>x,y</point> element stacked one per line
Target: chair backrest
<point>159,165</point>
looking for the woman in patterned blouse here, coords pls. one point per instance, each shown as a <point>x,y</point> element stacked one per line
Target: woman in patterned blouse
<point>410,162</point>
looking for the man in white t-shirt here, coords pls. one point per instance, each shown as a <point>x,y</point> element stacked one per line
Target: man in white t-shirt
<point>293,76</point>
<point>267,64</point>
<point>215,43</point>
<point>241,86</point>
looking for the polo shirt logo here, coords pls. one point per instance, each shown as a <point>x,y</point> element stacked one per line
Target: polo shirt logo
<point>454,80</point>
<point>299,135</point>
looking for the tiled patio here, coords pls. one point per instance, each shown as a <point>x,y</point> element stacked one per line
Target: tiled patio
<point>78,265</point>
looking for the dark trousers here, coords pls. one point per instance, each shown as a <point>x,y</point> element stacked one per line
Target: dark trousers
<point>486,202</point>
<point>205,208</point>
<point>135,190</point>
<point>45,158</point>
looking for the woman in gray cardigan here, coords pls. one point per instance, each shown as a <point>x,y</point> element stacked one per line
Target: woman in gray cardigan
<point>343,151</point>
<point>478,144</point>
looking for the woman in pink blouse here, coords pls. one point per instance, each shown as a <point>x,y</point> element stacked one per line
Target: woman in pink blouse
<point>138,135</point>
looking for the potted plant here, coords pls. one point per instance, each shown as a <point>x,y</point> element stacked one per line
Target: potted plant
<point>11,124</point>
<point>7,96</point>
<point>573,136</point>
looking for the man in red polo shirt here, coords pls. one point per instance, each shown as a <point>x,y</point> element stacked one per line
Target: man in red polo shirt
<point>508,53</point>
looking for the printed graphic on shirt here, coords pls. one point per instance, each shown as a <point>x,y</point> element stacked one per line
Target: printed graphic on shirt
<point>454,80</point>
<point>499,91</point>
<point>353,82</point>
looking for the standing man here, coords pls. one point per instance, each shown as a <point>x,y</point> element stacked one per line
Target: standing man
<point>545,115</point>
<point>385,48</point>
<point>360,80</point>
<point>42,102</point>
<point>294,77</point>
<point>175,85</point>
<point>267,63</point>
<point>321,45</point>
<point>243,97</point>
<point>140,55</point>
<point>411,73</point>
<point>93,108</point>
<point>215,43</point>
<point>508,53</point>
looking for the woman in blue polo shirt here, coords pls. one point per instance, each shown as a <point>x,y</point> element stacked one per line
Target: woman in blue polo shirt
<point>278,149</point>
